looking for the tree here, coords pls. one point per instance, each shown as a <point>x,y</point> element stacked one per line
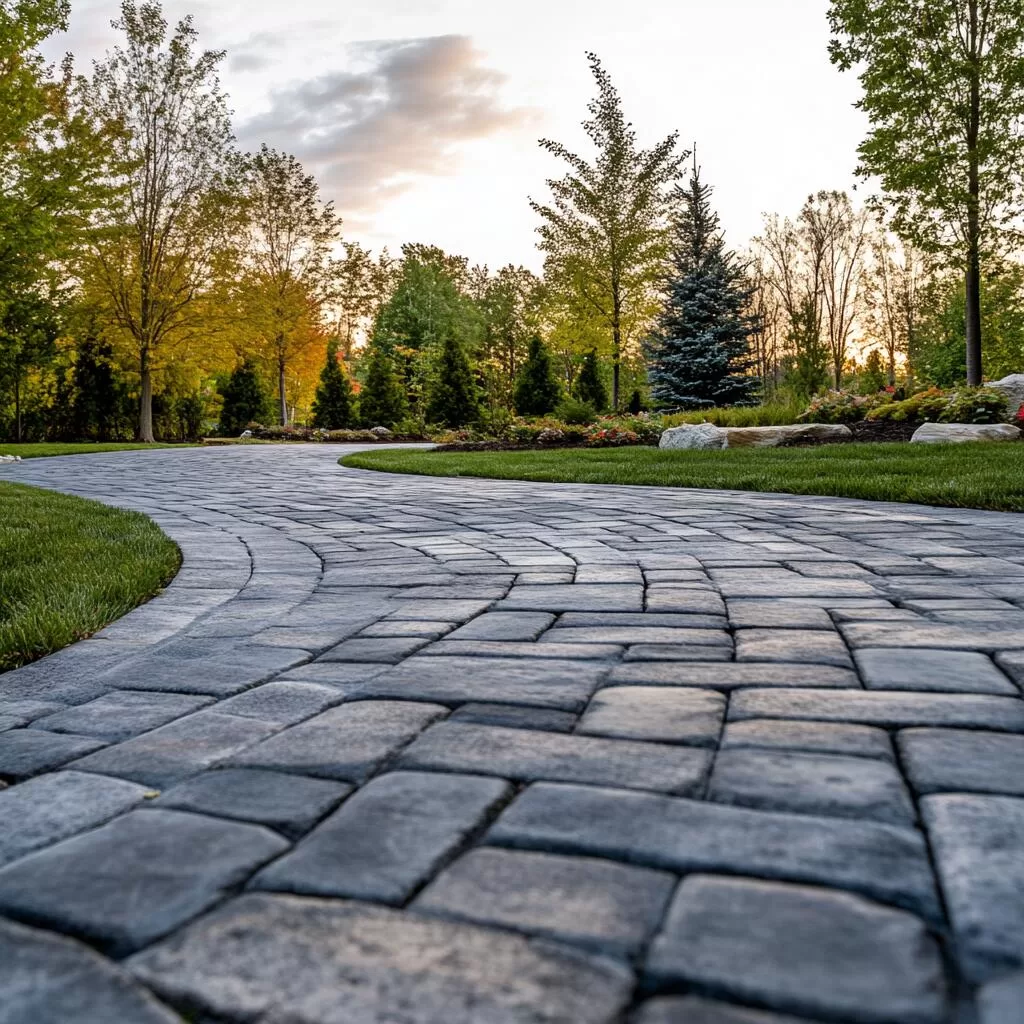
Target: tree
<point>382,401</point>
<point>537,391</point>
<point>806,367</point>
<point>605,233</point>
<point>288,237</point>
<point>245,400</point>
<point>894,283</point>
<point>873,378</point>
<point>333,405</point>
<point>700,349</point>
<point>153,246</point>
<point>509,308</point>
<point>944,91</point>
<point>452,396</point>
<point>589,385</point>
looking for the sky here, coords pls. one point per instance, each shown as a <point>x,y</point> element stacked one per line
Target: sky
<point>421,118</point>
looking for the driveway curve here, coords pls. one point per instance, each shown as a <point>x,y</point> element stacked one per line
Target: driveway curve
<point>405,750</point>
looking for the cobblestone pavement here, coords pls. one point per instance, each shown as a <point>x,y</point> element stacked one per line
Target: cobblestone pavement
<point>424,751</point>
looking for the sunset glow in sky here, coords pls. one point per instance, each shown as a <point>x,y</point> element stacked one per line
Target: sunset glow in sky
<point>421,117</point>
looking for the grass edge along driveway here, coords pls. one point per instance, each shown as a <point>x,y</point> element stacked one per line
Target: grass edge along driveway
<point>44,449</point>
<point>982,475</point>
<point>69,567</point>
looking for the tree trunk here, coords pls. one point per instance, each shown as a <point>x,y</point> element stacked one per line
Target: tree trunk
<point>616,345</point>
<point>282,402</point>
<point>973,305</point>
<point>145,398</point>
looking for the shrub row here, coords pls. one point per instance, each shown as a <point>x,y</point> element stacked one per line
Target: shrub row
<point>963,405</point>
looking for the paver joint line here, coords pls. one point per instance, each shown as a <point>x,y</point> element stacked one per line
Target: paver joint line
<point>493,751</point>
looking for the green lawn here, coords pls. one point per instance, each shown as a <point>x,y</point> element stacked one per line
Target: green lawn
<point>978,475</point>
<point>41,450</point>
<point>70,566</point>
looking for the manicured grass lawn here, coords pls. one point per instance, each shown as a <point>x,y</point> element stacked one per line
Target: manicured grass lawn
<point>982,475</point>
<point>68,567</point>
<point>39,451</point>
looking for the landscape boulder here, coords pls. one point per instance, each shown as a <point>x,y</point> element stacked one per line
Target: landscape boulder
<point>705,436</point>
<point>957,433</point>
<point>772,437</point>
<point>10,458</point>
<point>1013,387</point>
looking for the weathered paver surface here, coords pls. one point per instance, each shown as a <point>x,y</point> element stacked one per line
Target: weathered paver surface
<point>433,751</point>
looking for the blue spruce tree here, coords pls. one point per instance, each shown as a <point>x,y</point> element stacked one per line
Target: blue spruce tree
<point>699,352</point>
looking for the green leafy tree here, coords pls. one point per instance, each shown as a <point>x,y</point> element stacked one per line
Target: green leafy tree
<point>101,403</point>
<point>245,399</point>
<point>509,308</point>
<point>807,368</point>
<point>452,397</point>
<point>605,233</point>
<point>944,91</point>
<point>872,379</point>
<point>537,391</point>
<point>382,401</point>
<point>333,407</point>
<point>589,384</point>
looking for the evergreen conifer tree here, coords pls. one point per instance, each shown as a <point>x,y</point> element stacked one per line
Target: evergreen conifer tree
<point>699,351</point>
<point>537,391</point>
<point>94,408</point>
<point>452,396</point>
<point>332,406</point>
<point>382,401</point>
<point>589,387</point>
<point>245,400</point>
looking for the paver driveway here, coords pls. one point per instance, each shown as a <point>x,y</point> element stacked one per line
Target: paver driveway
<point>406,750</point>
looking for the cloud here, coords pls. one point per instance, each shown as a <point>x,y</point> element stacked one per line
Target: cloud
<point>404,112</point>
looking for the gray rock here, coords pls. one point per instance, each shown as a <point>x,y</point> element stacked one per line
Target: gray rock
<point>28,752</point>
<point>806,646</point>
<point>694,1010</point>
<point>388,838</point>
<point>134,880</point>
<point>734,676</point>
<point>347,743</point>
<point>527,756</point>
<point>504,626</point>
<point>122,714</point>
<point>811,737</point>
<point>289,804</point>
<point>892,709</point>
<point>177,751</point>
<point>608,908</point>
<point>272,957</point>
<point>659,714</point>
<point>936,671</point>
<point>52,807</point>
<point>772,437</point>
<point>1000,1002</point>
<point>282,703</point>
<point>515,717</point>
<point>882,861</point>
<point>977,842</point>
<point>961,760</point>
<point>1012,386</point>
<point>46,979</point>
<point>845,787</point>
<point>957,433</point>
<point>842,957</point>
<point>700,436</point>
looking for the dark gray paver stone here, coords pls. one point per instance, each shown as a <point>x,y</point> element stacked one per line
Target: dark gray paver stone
<point>576,597</point>
<point>282,703</point>
<point>822,784</point>
<point>892,709</point>
<point>375,649</point>
<point>177,751</point>
<point>716,637</point>
<point>122,714</point>
<point>657,713</point>
<point>733,676</point>
<point>805,646</point>
<point>813,737</point>
<point>526,756</point>
<point>695,1010</point>
<point>977,843</point>
<point>607,907</point>
<point>47,979</point>
<point>515,717</point>
<point>136,878</point>
<point>936,671</point>
<point>21,711</point>
<point>562,685</point>
<point>28,752</point>
<point>504,626</point>
<point>52,807</point>
<point>777,615</point>
<point>1002,1001</point>
<point>677,653</point>
<point>290,804</point>
<point>1012,663</point>
<point>348,743</point>
<point>521,649</point>
<point>278,957</point>
<point>962,760</point>
<point>885,862</point>
<point>388,838</point>
<point>428,629</point>
<point>800,949</point>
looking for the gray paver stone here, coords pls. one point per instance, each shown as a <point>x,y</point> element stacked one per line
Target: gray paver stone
<point>733,676</point>
<point>28,752</point>
<point>121,714</point>
<point>812,737</point>
<point>515,717</point>
<point>657,713</point>
<point>504,626</point>
<point>937,671</point>
<point>695,1010</point>
<point>805,646</point>
<point>1001,1002</point>
<point>963,760</point>
<point>282,703</point>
